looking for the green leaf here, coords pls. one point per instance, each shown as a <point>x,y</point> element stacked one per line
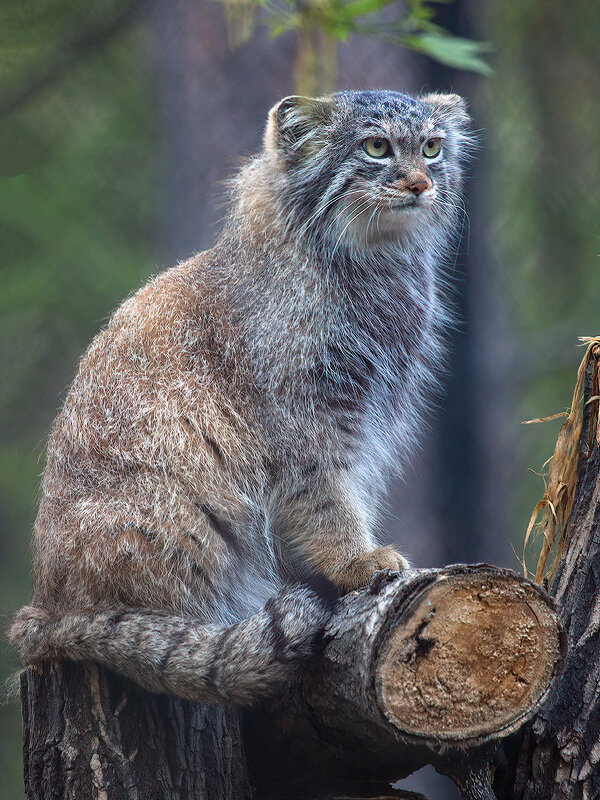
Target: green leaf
<point>451,50</point>
<point>282,23</point>
<point>359,8</point>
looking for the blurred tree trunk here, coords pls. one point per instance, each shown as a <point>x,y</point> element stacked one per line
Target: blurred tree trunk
<point>469,448</point>
<point>214,102</point>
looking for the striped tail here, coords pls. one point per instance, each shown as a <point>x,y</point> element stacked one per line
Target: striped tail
<point>171,654</point>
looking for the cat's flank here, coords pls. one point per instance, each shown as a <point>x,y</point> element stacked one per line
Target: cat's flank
<point>228,436</point>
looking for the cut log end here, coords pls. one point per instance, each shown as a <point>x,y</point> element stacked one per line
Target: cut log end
<point>472,658</point>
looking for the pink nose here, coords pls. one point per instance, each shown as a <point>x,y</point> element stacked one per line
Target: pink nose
<point>418,187</point>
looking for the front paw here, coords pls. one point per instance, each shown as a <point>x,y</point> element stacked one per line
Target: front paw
<point>359,571</point>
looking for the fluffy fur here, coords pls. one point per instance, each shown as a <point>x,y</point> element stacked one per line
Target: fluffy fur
<point>230,432</point>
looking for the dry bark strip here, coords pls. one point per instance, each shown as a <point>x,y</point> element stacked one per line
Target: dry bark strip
<point>429,666</point>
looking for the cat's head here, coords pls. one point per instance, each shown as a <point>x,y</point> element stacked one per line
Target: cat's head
<point>360,167</point>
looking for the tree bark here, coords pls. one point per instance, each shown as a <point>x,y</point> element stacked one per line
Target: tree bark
<point>92,735</point>
<point>428,666</point>
<point>559,755</point>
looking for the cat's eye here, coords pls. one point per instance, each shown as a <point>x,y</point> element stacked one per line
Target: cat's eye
<point>432,148</point>
<point>376,147</point>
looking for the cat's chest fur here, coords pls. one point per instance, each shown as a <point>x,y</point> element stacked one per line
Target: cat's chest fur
<point>362,363</point>
<point>385,310</point>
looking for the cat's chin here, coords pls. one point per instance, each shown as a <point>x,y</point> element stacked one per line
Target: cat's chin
<point>387,224</point>
<point>396,222</point>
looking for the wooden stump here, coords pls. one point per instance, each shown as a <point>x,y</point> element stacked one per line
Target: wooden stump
<point>472,657</point>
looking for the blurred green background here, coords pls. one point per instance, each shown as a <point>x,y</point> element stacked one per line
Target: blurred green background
<point>119,121</point>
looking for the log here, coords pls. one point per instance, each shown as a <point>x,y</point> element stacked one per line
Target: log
<point>427,666</point>
<point>422,667</point>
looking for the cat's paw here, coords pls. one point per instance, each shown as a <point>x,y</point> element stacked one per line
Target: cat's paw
<point>359,571</point>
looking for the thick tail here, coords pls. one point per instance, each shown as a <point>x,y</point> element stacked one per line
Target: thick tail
<point>177,655</point>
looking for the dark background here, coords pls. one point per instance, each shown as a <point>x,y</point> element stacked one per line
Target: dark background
<point>118,125</point>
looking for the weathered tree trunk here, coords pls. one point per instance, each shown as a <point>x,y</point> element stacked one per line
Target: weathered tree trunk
<point>560,754</point>
<point>430,666</point>
<point>92,735</point>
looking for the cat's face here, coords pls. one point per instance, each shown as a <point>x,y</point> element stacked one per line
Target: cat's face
<point>358,167</point>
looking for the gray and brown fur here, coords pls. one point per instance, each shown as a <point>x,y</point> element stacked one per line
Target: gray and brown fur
<point>230,432</point>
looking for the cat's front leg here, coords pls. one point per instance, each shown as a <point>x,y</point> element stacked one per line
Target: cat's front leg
<point>324,522</point>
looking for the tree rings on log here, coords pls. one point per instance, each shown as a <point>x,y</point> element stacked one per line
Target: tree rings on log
<point>472,656</point>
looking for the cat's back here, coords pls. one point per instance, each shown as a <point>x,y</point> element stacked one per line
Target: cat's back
<point>158,348</point>
<point>143,453</point>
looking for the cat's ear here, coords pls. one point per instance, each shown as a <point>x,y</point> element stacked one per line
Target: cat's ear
<point>295,122</point>
<point>452,107</point>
